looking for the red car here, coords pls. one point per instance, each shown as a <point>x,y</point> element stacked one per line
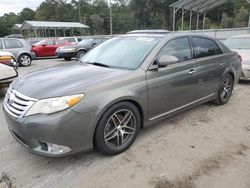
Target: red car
<point>47,47</point>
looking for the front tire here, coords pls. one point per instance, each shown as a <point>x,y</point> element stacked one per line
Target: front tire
<point>24,60</point>
<point>117,129</point>
<point>225,91</point>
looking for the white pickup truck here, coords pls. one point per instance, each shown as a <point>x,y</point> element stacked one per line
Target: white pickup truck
<point>8,70</point>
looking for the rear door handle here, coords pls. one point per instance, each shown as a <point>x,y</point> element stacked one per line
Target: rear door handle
<point>222,64</point>
<point>192,71</point>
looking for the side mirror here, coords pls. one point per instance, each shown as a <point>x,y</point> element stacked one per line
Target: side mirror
<point>94,45</point>
<point>166,60</point>
<point>44,45</point>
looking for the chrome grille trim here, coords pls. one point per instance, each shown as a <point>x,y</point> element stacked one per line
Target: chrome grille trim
<point>17,104</point>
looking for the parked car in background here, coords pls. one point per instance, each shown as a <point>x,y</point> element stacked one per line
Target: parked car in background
<point>20,36</point>
<point>47,47</point>
<point>20,49</point>
<point>241,44</point>
<point>33,41</point>
<point>68,52</point>
<point>8,70</point>
<point>73,40</point>
<point>116,89</point>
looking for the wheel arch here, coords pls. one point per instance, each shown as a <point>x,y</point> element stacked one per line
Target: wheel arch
<point>81,49</point>
<point>130,100</point>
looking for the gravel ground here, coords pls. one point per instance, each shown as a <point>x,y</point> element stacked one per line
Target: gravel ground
<point>206,147</point>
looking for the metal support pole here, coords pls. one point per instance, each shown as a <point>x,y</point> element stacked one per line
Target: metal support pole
<point>197,21</point>
<point>79,1</point>
<point>182,19</point>
<point>190,19</point>
<point>55,33</point>
<point>204,20</point>
<point>111,20</point>
<point>28,33</point>
<point>36,33</point>
<point>249,23</point>
<point>173,18</point>
<point>64,32</point>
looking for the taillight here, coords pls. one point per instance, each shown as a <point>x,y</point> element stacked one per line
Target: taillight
<point>239,56</point>
<point>8,60</point>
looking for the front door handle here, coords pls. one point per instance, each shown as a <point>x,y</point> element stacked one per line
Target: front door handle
<point>222,64</point>
<point>191,72</point>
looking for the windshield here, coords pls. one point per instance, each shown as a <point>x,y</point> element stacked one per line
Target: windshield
<point>238,43</point>
<point>40,42</point>
<point>122,52</point>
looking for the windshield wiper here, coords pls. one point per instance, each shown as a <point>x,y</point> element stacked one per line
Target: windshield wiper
<point>94,63</point>
<point>100,64</point>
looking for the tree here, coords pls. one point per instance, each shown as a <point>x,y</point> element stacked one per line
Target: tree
<point>226,21</point>
<point>241,18</point>
<point>26,14</point>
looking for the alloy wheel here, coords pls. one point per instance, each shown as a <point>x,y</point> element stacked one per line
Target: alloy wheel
<point>25,60</point>
<point>120,128</point>
<point>226,88</point>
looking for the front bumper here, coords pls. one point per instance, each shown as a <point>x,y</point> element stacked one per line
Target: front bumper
<point>66,54</point>
<point>67,128</point>
<point>245,71</point>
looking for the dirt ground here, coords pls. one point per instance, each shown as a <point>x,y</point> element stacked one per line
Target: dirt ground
<point>206,147</point>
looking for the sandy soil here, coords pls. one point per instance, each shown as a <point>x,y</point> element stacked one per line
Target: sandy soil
<point>206,147</point>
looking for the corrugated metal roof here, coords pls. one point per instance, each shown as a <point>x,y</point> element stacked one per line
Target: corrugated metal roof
<point>201,6</point>
<point>16,26</point>
<point>51,25</point>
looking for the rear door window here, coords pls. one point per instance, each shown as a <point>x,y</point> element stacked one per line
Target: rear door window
<point>50,42</point>
<point>205,47</point>
<point>12,43</point>
<point>179,48</point>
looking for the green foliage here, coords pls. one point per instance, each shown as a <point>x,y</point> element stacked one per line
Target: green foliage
<point>126,15</point>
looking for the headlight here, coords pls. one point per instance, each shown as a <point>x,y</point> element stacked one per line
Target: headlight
<point>52,105</point>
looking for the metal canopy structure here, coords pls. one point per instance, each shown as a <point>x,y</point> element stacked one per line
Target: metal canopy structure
<point>47,25</point>
<point>16,27</point>
<point>197,7</point>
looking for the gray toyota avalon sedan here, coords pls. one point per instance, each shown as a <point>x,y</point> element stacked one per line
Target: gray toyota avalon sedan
<point>116,89</point>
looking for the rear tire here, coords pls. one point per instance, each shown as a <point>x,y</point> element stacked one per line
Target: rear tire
<point>117,128</point>
<point>67,58</point>
<point>80,54</point>
<point>24,60</point>
<point>225,91</point>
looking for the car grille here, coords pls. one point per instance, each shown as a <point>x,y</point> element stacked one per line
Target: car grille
<point>17,104</point>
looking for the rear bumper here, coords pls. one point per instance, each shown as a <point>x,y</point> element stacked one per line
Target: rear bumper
<point>66,54</point>
<point>33,55</point>
<point>245,71</point>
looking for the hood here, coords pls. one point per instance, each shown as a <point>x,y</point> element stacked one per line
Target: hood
<point>244,53</point>
<point>63,80</point>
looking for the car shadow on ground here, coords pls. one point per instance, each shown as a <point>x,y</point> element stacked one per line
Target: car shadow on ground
<point>2,93</point>
<point>244,82</point>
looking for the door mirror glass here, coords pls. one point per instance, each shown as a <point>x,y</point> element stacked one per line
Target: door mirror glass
<point>166,60</point>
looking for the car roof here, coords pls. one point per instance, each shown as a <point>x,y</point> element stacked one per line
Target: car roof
<point>171,35</point>
<point>150,31</point>
<point>241,36</point>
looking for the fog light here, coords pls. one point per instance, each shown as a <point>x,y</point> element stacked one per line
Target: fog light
<point>57,149</point>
